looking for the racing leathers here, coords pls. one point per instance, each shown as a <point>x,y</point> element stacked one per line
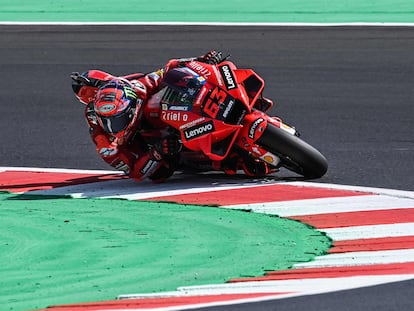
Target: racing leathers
<point>132,153</point>
<point>145,151</point>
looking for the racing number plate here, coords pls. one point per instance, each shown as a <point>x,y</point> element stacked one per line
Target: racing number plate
<point>218,104</point>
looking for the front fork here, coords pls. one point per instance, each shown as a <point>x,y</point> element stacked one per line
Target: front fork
<point>254,125</point>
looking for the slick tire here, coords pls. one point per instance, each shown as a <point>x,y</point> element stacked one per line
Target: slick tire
<point>296,155</point>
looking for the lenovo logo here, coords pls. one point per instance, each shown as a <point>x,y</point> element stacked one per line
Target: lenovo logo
<point>199,130</point>
<point>228,77</point>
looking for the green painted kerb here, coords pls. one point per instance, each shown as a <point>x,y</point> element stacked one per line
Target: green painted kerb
<point>316,11</point>
<point>61,250</point>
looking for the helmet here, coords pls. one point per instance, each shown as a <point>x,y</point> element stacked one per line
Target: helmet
<point>117,107</point>
<point>86,85</point>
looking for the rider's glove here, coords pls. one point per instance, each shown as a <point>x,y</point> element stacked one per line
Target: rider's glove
<point>83,79</point>
<point>80,79</point>
<point>167,146</point>
<point>212,58</point>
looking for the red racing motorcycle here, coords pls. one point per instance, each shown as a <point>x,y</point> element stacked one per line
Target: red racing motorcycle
<point>219,112</point>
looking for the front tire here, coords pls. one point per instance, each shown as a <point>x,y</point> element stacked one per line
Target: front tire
<point>295,154</point>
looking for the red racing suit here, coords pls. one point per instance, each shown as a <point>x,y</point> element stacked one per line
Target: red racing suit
<point>131,154</point>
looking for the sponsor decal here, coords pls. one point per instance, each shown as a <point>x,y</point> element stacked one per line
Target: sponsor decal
<point>228,108</point>
<point>130,92</point>
<point>174,116</point>
<point>192,123</point>
<point>254,126</point>
<point>199,130</point>
<point>271,159</point>
<point>106,108</point>
<point>228,77</point>
<point>201,79</point>
<point>149,167</point>
<point>200,69</point>
<point>179,108</point>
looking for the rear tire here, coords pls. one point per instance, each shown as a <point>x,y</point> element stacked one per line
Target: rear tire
<point>295,154</point>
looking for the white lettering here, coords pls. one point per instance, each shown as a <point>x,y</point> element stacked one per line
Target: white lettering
<point>179,108</point>
<point>229,78</point>
<point>174,116</point>
<point>254,126</point>
<point>206,128</point>
<point>192,123</point>
<point>149,168</point>
<point>228,108</point>
<point>200,69</point>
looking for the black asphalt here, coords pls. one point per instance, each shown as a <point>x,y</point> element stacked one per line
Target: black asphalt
<point>348,90</point>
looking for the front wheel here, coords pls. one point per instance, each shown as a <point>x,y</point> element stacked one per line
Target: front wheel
<point>295,154</point>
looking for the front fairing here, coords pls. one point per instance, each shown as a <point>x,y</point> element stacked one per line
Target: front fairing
<point>207,105</point>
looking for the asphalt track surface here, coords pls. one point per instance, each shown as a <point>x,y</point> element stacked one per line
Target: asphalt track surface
<point>348,90</point>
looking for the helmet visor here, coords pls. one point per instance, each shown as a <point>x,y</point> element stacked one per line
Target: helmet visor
<point>117,123</point>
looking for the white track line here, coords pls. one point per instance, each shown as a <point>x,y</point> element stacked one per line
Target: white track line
<point>236,24</point>
<point>299,287</point>
<point>56,170</point>
<point>370,232</point>
<point>384,191</point>
<point>360,258</point>
<point>328,205</point>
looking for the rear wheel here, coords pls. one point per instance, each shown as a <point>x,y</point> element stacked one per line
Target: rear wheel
<point>295,154</point>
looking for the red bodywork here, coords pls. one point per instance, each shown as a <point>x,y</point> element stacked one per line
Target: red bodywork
<point>223,109</point>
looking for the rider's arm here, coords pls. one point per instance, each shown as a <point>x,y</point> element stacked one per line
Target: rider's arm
<point>146,84</point>
<point>212,57</point>
<point>130,159</point>
<point>158,162</point>
<point>149,83</point>
<point>106,145</point>
<point>86,85</point>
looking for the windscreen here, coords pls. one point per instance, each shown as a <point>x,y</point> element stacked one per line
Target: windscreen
<point>182,86</point>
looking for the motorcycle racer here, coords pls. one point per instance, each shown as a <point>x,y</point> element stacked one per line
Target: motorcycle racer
<point>117,123</point>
